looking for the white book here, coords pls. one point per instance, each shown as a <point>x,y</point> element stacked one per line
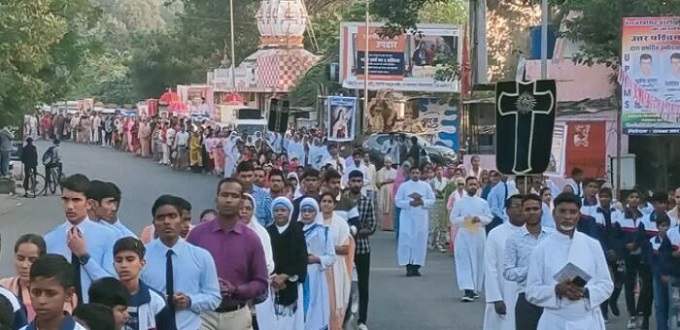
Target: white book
<point>570,272</point>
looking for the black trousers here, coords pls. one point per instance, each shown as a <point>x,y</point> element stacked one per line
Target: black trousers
<point>363,264</point>
<point>526,314</point>
<point>28,172</point>
<point>636,268</point>
<point>107,138</point>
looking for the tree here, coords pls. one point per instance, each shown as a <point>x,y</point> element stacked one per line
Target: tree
<point>598,27</point>
<point>28,31</point>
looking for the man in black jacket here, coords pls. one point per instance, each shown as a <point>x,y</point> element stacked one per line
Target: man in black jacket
<point>29,157</point>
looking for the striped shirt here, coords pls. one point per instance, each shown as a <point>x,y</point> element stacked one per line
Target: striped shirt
<point>518,249</point>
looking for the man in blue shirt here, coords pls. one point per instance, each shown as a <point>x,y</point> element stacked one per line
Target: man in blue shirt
<point>101,196</point>
<point>524,185</point>
<point>185,273</point>
<point>263,212</point>
<point>87,244</point>
<point>113,216</point>
<point>496,199</point>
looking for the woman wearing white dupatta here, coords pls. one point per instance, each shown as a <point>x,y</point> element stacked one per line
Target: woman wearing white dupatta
<point>340,278</point>
<point>248,218</point>
<point>321,257</point>
<point>290,258</point>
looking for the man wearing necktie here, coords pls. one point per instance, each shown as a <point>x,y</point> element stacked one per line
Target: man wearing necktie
<point>184,272</point>
<point>87,244</point>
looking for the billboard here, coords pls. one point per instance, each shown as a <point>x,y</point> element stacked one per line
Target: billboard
<point>650,75</point>
<point>406,62</point>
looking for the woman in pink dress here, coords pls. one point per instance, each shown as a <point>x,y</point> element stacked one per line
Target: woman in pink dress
<point>127,127</point>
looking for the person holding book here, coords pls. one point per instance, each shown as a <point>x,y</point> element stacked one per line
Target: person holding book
<point>470,214</point>
<point>414,198</point>
<point>568,274</point>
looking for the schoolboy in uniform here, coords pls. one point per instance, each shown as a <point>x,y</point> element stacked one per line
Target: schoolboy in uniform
<point>109,292</point>
<point>94,317</point>
<point>51,284</point>
<point>653,253</point>
<point>19,318</point>
<point>145,303</point>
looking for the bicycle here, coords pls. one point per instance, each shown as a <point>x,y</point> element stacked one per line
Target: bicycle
<point>56,176</point>
<point>36,184</point>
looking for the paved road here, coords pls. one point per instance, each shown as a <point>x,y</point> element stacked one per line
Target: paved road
<point>426,303</point>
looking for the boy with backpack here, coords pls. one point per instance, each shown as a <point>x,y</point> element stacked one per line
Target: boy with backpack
<point>51,159</point>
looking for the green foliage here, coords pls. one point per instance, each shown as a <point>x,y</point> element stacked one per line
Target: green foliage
<point>599,25</point>
<point>41,43</point>
<point>444,12</point>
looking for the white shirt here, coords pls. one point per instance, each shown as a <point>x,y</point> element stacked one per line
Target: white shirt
<point>496,288</point>
<point>471,206</point>
<point>547,259</point>
<point>391,148</point>
<point>182,139</point>
<point>170,136</point>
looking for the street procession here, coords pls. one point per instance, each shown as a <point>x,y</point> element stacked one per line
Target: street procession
<point>287,164</point>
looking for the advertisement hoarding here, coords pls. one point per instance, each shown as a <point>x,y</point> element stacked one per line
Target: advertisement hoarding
<point>406,62</point>
<point>650,75</point>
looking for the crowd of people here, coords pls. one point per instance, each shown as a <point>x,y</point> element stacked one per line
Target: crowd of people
<point>293,220</point>
<point>261,259</point>
<point>562,263</point>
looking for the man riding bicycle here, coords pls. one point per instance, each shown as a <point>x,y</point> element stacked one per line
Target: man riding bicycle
<point>51,159</point>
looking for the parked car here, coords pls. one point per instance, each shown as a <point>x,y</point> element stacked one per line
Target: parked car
<point>434,154</point>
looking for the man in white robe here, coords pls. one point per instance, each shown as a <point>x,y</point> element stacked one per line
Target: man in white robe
<point>414,198</point>
<point>569,301</point>
<point>470,214</point>
<point>500,293</point>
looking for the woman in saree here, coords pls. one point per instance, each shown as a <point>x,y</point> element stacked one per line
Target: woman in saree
<point>136,145</point>
<point>401,177</point>
<point>217,148</point>
<point>340,275</point>
<point>439,213</point>
<point>195,147</point>
<point>385,182</point>
<point>454,196</point>
<point>321,256</point>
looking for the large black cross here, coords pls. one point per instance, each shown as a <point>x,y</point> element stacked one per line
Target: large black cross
<point>525,118</point>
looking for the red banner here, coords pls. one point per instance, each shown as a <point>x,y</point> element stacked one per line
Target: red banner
<point>587,148</point>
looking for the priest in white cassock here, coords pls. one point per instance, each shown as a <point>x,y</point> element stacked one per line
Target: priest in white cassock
<point>501,294</point>
<point>470,214</point>
<point>414,198</point>
<point>570,301</point>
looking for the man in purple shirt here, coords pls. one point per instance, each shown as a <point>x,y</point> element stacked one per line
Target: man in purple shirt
<point>239,258</point>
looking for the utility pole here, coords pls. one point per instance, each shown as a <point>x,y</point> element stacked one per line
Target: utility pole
<point>365,110</point>
<point>233,56</point>
<point>544,39</point>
